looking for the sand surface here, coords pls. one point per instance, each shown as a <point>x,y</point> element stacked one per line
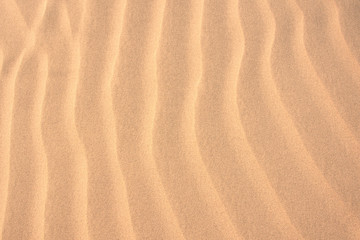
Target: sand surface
<point>179,119</point>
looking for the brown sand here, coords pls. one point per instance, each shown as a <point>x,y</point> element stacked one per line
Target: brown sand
<point>169,119</point>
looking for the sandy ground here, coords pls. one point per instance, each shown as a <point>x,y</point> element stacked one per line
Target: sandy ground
<point>173,119</point>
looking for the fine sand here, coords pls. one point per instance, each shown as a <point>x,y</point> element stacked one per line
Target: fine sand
<point>179,119</point>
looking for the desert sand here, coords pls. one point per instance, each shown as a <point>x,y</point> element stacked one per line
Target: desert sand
<point>170,119</point>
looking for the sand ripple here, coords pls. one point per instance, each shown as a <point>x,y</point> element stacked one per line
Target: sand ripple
<point>169,119</point>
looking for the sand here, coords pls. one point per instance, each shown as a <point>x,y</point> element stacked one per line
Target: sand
<point>169,119</point>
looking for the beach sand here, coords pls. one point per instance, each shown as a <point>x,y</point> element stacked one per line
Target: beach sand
<point>170,119</point>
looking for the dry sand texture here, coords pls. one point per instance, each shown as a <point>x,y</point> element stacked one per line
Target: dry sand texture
<point>179,119</point>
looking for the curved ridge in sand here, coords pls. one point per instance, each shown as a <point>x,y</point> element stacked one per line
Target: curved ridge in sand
<point>169,119</point>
